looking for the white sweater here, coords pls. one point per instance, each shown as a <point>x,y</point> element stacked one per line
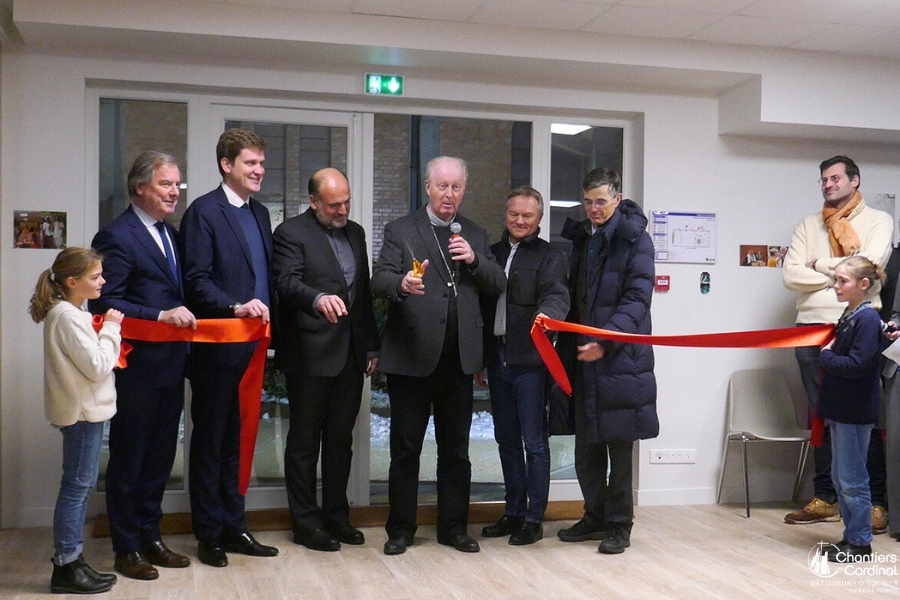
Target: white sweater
<point>817,302</point>
<point>79,384</point>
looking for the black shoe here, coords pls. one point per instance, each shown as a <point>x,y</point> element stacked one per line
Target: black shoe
<point>317,539</point>
<point>581,532</point>
<point>210,553</point>
<point>160,555</point>
<point>845,552</point>
<point>246,544</point>
<point>398,545</point>
<point>346,534</point>
<point>527,533</point>
<point>76,578</point>
<point>110,577</point>
<point>616,540</point>
<point>135,566</point>
<point>461,542</point>
<point>505,526</point>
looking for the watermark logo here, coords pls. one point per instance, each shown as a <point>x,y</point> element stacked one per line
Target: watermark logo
<point>818,560</point>
<point>859,574</point>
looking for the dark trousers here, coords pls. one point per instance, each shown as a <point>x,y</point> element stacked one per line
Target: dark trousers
<point>605,500</point>
<point>518,406</point>
<point>323,412</point>
<point>143,436</point>
<point>823,486</point>
<point>449,391</point>
<point>217,507</point>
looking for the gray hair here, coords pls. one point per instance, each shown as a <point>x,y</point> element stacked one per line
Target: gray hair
<point>144,167</point>
<point>602,176</point>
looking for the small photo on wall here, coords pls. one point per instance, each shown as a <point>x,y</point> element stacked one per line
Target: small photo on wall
<point>754,256</point>
<point>39,229</point>
<point>776,256</point>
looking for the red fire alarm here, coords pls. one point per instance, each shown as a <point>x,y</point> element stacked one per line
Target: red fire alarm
<point>662,283</point>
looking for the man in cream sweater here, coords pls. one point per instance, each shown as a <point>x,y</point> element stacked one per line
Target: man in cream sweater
<point>844,227</point>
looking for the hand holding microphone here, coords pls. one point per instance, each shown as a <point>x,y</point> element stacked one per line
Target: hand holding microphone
<point>459,247</point>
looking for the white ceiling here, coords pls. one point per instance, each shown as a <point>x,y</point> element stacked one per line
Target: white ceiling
<point>852,27</point>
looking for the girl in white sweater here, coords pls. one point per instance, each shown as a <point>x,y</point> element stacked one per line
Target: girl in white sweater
<point>79,395</point>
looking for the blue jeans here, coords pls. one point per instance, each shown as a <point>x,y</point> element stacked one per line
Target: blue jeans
<point>81,466</point>
<point>520,419</point>
<point>850,445</point>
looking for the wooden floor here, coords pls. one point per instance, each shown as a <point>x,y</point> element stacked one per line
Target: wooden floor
<point>676,552</point>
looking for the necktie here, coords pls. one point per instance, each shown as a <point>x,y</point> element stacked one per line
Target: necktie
<point>170,256</point>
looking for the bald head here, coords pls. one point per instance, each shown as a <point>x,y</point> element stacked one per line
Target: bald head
<point>329,197</point>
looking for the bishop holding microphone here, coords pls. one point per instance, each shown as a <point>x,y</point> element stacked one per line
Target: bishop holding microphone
<point>432,267</point>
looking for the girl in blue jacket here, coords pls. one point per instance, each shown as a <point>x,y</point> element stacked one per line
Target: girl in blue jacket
<point>849,400</point>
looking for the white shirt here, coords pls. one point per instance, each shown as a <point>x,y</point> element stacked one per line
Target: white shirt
<point>150,223</point>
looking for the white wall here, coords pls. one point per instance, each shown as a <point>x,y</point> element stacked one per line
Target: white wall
<point>759,188</point>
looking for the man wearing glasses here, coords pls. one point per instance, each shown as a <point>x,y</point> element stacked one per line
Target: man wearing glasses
<point>844,227</point>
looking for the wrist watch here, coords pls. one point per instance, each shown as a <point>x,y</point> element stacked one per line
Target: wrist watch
<point>234,307</point>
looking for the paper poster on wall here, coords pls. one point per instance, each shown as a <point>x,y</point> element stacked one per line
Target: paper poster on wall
<point>39,229</point>
<point>683,237</point>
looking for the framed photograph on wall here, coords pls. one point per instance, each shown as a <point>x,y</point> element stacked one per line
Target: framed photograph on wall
<point>39,229</point>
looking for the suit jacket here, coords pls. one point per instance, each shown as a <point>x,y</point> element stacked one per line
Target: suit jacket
<point>416,325</point>
<point>304,267</point>
<point>140,284</point>
<point>218,269</point>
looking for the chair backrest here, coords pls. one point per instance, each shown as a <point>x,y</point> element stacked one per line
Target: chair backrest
<point>760,402</point>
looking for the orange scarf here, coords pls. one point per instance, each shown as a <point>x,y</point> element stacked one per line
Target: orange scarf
<point>843,238</point>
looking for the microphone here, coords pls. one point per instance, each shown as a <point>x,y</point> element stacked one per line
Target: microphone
<point>455,228</point>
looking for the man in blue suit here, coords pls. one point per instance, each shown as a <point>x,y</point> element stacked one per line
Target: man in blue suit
<point>226,241</point>
<point>143,280</point>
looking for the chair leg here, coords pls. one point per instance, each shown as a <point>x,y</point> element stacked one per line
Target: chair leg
<point>746,475</point>
<point>801,469</point>
<point>722,471</point>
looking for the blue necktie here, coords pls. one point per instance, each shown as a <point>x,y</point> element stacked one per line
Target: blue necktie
<point>170,256</point>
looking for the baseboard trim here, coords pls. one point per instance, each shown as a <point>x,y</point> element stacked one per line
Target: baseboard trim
<point>361,516</point>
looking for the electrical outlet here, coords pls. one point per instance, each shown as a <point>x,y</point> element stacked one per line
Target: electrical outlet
<point>687,457</point>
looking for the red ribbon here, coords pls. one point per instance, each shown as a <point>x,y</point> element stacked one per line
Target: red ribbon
<point>216,331</point>
<point>124,349</point>
<point>792,337</point>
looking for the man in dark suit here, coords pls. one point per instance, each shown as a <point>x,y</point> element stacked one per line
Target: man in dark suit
<point>143,280</point>
<point>227,246</point>
<point>329,341</point>
<point>432,347</point>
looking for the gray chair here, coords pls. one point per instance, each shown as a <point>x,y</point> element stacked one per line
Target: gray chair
<point>761,409</point>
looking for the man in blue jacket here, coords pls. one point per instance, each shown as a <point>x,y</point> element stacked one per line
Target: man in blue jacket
<point>227,246</point>
<point>611,284</point>
<point>142,268</point>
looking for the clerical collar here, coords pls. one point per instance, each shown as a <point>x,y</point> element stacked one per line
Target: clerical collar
<point>436,220</point>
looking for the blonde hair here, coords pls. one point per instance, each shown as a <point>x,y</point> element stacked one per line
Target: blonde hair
<point>860,267</point>
<point>51,284</point>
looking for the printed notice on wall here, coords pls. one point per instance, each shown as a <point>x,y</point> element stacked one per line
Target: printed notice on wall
<point>683,237</point>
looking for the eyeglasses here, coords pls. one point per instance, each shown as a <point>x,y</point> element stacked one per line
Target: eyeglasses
<point>588,204</point>
<point>833,179</point>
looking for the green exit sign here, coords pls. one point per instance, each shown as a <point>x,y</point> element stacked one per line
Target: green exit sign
<point>389,85</point>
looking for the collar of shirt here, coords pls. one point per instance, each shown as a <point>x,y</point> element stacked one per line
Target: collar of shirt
<point>436,220</point>
<point>150,223</point>
<point>233,199</point>
<point>146,219</point>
